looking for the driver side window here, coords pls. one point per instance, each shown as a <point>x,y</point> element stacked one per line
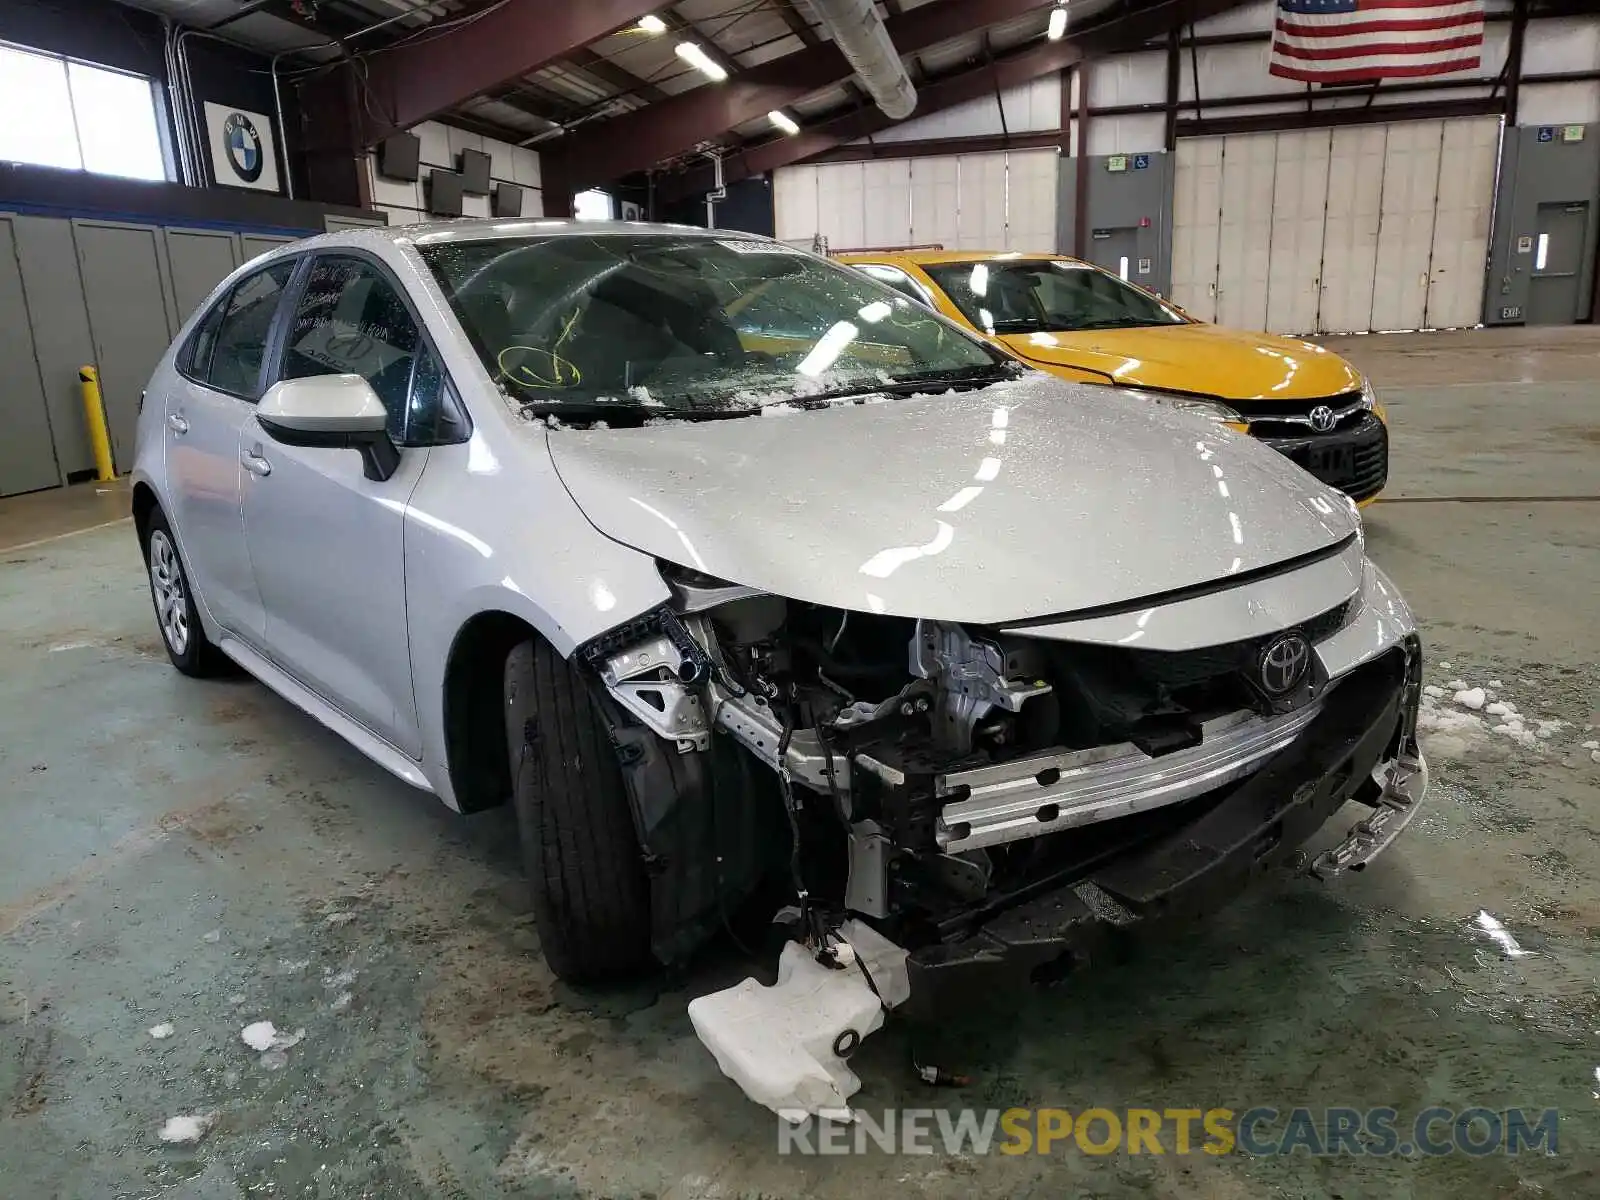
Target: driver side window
<point>350,319</point>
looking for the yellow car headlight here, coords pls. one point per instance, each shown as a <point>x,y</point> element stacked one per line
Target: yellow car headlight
<point>1370,402</point>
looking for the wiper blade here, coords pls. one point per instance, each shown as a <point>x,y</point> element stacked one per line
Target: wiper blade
<point>987,373</point>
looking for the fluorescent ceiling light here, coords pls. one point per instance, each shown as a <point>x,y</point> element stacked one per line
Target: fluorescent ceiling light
<point>651,23</point>
<point>1058,24</point>
<point>784,122</point>
<point>692,54</point>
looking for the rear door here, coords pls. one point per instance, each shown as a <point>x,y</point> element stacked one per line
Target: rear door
<point>218,383</point>
<point>328,544</point>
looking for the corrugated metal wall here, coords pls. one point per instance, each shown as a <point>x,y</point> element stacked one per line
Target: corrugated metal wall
<point>111,294</point>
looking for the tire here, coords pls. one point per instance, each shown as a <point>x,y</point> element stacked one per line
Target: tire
<point>176,615</point>
<point>591,897</point>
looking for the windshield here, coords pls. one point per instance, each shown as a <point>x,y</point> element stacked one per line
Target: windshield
<point>1047,295</point>
<point>585,325</point>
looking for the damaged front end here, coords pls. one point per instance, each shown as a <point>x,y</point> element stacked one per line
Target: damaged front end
<point>990,802</point>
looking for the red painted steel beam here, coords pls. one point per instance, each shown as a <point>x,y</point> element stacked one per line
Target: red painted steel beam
<point>1017,67</point>
<point>400,86</point>
<point>1038,59</point>
<point>607,150</point>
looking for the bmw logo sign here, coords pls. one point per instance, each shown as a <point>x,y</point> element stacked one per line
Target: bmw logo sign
<point>244,146</point>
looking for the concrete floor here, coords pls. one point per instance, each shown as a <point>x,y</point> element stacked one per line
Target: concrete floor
<point>202,855</point>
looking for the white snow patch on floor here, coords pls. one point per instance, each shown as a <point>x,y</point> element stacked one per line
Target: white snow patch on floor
<point>1495,683</point>
<point>1455,685</point>
<point>339,918</point>
<point>341,1002</point>
<point>1591,745</point>
<point>1444,666</point>
<point>1470,698</point>
<point>214,936</point>
<point>180,1130</point>
<point>162,1031</point>
<point>1436,692</point>
<point>1499,709</point>
<point>1499,934</point>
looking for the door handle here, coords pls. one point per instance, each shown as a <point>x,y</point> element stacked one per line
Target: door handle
<point>255,464</point>
<point>178,424</point>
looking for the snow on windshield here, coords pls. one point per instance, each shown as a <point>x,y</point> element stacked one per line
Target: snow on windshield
<point>686,323</point>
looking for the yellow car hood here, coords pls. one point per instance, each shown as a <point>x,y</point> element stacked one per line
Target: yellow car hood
<point>1205,359</point>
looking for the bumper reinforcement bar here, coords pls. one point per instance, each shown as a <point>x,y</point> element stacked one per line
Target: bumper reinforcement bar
<point>1060,790</point>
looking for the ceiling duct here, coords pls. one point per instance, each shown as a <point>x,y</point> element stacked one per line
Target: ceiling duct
<point>859,33</point>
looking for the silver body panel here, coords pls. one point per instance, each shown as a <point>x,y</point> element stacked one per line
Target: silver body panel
<point>1086,500</point>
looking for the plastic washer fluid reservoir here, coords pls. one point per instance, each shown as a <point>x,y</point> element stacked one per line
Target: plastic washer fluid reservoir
<point>779,1043</point>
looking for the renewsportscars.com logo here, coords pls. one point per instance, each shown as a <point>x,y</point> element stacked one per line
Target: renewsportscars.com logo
<point>1261,1131</point>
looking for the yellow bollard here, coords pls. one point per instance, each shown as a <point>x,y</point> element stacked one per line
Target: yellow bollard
<point>94,415</point>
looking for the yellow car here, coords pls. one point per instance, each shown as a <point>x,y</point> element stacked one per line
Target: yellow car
<point>1082,323</point>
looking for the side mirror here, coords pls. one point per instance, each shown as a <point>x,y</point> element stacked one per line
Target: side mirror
<point>333,412</point>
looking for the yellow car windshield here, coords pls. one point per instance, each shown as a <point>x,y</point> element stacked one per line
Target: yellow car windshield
<point>1047,295</point>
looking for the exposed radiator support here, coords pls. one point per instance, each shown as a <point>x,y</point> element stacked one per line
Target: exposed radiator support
<point>859,33</point>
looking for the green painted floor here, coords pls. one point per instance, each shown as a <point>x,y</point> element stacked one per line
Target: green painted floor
<point>201,855</point>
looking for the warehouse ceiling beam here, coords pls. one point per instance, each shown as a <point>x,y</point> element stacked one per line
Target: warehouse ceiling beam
<point>1130,28</point>
<point>1008,71</point>
<point>606,151</point>
<point>798,25</point>
<point>411,81</point>
<point>614,75</point>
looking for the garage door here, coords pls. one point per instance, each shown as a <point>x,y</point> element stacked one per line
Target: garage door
<point>1336,230</point>
<point>1004,201</point>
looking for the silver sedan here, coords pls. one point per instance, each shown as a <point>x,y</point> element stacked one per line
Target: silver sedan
<point>748,581</point>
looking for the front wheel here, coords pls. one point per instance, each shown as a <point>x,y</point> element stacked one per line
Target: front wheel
<point>591,898</point>
<point>181,632</point>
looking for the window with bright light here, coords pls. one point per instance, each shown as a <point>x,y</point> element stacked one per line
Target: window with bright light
<point>55,112</point>
<point>594,205</point>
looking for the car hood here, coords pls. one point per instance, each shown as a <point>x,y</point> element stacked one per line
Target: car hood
<point>1204,359</point>
<point>1024,499</point>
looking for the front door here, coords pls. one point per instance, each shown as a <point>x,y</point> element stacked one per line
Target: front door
<point>216,391</point>
<point>328,543</point>
<point>1557,263</point>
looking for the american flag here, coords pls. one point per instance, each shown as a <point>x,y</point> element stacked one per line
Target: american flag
<point>1338,41</point>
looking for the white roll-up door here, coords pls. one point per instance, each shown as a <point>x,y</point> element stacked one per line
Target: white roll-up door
<point>997,201</point>
<point>1196,219</point>
<point>1244,242</point>
<point>1336,230</point>
<point>1350,237</point>
<point>1299,212</point>
<point>1461,222</point>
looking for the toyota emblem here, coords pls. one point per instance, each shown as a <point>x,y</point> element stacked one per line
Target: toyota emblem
<point>1283,663</point>
<point>1322,418</point>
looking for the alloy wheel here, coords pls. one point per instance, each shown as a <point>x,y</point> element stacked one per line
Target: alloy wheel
<point>166,584</point>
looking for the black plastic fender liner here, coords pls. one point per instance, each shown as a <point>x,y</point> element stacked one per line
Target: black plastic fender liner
<point>708,822</point>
